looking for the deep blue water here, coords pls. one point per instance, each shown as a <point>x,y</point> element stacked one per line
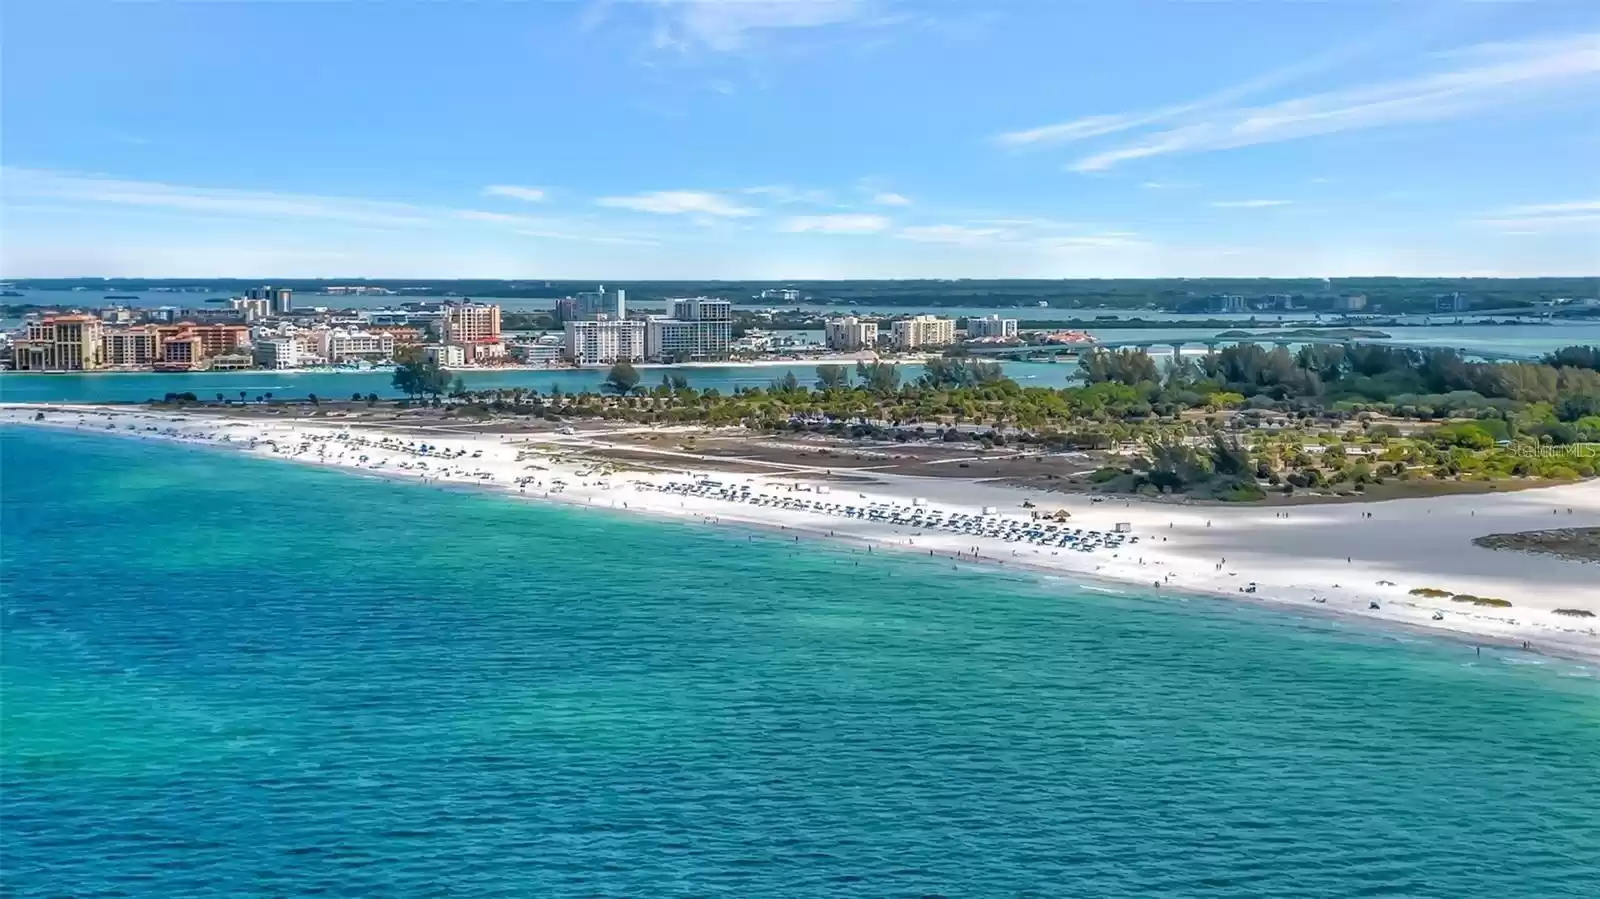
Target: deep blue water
<point>239,677</point>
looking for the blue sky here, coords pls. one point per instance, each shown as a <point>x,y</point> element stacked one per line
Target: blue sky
<point>799,139</point>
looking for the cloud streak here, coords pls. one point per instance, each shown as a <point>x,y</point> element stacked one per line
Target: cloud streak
<point>1249,204</point>
<point>71,190</point>
<point>1511,73</point>
<point>849,223</point>
<point>728,26</point>
<point>679,202</point>
<point>1545,218</point>
<point>528,194</point>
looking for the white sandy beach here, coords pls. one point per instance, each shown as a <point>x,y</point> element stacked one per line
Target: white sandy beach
<point>1322,558</point>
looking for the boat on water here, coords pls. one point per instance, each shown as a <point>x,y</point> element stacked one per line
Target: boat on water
<point>119,296</point>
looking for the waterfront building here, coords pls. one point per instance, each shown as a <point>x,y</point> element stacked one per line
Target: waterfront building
<point>544,350</point>
<point>992,327</point>
<point>342,345</point>
<point>181,351</point>
<point>219,340</point>
<point>1450,302</point>
<point>786,294</point>
<point>696,328</point>
<point>403,335</point>
<point>60,343</point>
<point>1226,303</point>
<point>605,341</point>
<point>468,323</point>
<point>131,346</point>
<point>447,355</point>
<point>117,315</point>
<point>1352,303</point>
<point>278,352</point>
<point>283,301</point>
<point>850,333</point>
<point>922,331</point>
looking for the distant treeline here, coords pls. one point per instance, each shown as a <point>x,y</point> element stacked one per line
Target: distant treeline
<point>1384,295</point>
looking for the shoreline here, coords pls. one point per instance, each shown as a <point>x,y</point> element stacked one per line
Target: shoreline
<point>916,359</point>
<point>1272,554</point>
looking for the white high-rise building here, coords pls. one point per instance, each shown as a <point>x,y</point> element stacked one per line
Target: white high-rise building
<point>992,326</point>
<point>605,341</point>
<point>341,345</point>
<point>696,328</point>
<point>278,352</point>
<point>923,331</point>
<point>849,334</point>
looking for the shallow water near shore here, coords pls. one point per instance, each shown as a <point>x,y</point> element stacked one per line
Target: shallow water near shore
<point>232,675</point>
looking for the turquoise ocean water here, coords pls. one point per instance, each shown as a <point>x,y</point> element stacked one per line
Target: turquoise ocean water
<point>234,677</point>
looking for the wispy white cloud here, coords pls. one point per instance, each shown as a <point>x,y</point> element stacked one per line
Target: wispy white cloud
<point>1021,233</point>
<point>1514,72</point>
<point>1103,124</point>
<point>1542,209</point>
<point>680,202</point>
<point>588,238</point>
<point>530,194</point>
<point>957,234</point>
<point>75,191</point>
<point>890,198</point>
<point>784,193</point>
<point>1249,204</point>
<point>731,25</point>
<point>1545,218</point>
<point>479,215</point>
<point>45,184</point>
<point>850,223</point>
<point>1110,240</point>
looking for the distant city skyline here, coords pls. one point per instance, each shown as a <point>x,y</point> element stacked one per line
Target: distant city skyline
<point>799,139</point>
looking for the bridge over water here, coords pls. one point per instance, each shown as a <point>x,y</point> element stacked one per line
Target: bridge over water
<point>1211,344</point>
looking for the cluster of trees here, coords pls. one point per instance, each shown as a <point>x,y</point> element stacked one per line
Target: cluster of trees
<point>415,374</point>
<point>1407,382</point>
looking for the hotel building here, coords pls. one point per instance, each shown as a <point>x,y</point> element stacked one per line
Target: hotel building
<point>60,343</point>
<point>696,329</point>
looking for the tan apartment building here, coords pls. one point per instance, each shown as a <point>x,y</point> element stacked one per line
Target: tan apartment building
<point>131,346</point>
<point>922,331</point>
<point>60,343</point>
<point>469,323</point>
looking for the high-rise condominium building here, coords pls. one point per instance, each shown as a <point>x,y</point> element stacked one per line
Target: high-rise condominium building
<point>992,327</point>
<point>605,341</point>
<point>849,334</point>
<point>470,323</point>
<point>922,331</point>
<point>131,346</point>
